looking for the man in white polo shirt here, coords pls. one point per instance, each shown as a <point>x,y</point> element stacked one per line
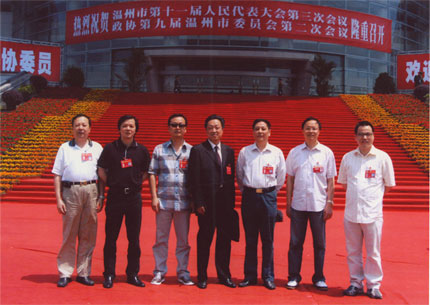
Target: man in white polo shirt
<point>311,169</point>
<point>366,173</point>
<point>75,181</point>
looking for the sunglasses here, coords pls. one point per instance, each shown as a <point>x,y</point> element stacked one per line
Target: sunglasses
<point>175,125</point>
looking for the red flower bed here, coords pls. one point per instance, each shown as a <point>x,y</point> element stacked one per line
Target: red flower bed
<point>404,107</point>
<point>15,124</point>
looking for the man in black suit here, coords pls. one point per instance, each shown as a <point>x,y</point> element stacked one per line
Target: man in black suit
<point>211,183</point>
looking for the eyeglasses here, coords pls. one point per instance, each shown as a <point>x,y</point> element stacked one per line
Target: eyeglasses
<point>368,134</point>
<point>175,125</point>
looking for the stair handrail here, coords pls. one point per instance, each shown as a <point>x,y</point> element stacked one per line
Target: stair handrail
<point>14,81</point>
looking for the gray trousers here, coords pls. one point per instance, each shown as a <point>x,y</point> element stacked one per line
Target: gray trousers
<point>79,222</point>
<point>181,221</point>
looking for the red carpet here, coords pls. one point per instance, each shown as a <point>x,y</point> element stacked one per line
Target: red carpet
<point>285,115</point>
<point>31,231</point>
<point>31,238</point>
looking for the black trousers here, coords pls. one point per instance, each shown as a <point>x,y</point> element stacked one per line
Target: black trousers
<point>119,206</point>
<point>207,225</point>
<point>259,215</point>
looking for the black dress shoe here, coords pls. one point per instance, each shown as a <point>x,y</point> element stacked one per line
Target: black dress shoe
<point>247,282</point>
<point>228,282</point>
<point>63,281</point>
<point>85,280</point>
<point>108,282</point>
<point>202,284</point>
<point>269,284</point>
<point>134,280</point>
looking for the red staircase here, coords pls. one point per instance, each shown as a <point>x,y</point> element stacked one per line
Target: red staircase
<point>286,116</point>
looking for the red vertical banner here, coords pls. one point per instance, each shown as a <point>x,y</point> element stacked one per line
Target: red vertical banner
<point>408,66</point>
<point>240,18</point>
<point>35,59</point>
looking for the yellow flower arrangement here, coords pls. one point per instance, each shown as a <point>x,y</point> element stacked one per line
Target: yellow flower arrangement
<point>413,138</point>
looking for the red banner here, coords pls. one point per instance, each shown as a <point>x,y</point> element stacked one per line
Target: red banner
<point>408,67</point>
<point>36,59</point>
<point>238,18</point>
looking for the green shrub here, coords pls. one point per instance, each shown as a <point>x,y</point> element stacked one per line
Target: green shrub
<point>74,77</point>
<point>38,82</point>
<point>384,84</point>
<point>27,92</point>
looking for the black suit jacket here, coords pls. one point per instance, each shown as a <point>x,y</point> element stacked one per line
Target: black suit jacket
<point>204,179</point>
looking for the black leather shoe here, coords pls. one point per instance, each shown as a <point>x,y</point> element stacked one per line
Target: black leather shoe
<point>85,280</point>
<point>134,280</point>
<point>108,282</point>
<point>202,284</point>
<point>353,291</point>
<point>63,281</point>
<point>247,282</point>
<point>228,282</point>
<point>269,284</point>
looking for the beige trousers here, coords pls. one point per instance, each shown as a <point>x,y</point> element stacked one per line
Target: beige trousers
<point>79,222</point>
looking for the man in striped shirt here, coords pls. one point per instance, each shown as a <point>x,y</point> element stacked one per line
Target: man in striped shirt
<point>171,201</point>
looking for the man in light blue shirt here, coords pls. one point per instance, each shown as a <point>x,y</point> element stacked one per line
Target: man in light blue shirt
<point>171,201</point>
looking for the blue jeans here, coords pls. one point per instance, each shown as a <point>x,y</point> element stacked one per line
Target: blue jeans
<point>298,226</point>
<point>258,215</point>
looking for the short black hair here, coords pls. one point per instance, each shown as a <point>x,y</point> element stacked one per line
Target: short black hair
<point>214,117</point>
<point>81,115</point>
<point>175,115</point>
<point>128,117</point>
<point>363,123</point>
<point>311,118</point>
<point>256,121</point>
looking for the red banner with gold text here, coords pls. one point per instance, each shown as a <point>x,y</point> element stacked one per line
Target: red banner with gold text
<point>239,18</point>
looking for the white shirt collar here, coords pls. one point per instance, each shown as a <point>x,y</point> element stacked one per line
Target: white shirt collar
<point>372,151</point>
<point>255,147</point>
<point>213,145</point>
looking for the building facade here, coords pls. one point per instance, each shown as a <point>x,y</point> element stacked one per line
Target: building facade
<point>225,63</point>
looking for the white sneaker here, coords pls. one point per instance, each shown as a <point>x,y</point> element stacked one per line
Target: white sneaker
<point>321,285</point>
<point>292,284</point>
<point>158,279</point>
<point>185,281</point>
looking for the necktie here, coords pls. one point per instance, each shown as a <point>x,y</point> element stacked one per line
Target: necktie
<point>218,158</point>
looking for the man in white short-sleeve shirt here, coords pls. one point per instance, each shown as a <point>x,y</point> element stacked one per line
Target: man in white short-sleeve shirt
<point>75,182</point>
<point>311,169</point>
<point>366,173</point>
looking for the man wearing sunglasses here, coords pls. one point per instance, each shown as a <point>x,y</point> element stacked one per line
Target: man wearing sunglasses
<point>171,201</point>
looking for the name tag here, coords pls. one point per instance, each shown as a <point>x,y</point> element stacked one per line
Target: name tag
<point>318,168</point>
<point>228,169</point>
<point>268,170</point>
<point>370,173</point>
<point>86,157</point>
<point>183,163</point>
<point>126,163</point>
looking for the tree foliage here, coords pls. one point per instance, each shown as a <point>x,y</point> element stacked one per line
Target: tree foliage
<point>322,72</point>
<point>74,77</point>
<point>135,69</point>
<point>38,82</point>
<point>384,84</point>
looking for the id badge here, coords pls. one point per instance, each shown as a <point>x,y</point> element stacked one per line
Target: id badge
<point>370,173</point>
<point>268,170</point>
<point>126,163</point>
<point>228,169</point>
<point>318,168</point>
<point>183,163</point>
<point>86,157</point>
